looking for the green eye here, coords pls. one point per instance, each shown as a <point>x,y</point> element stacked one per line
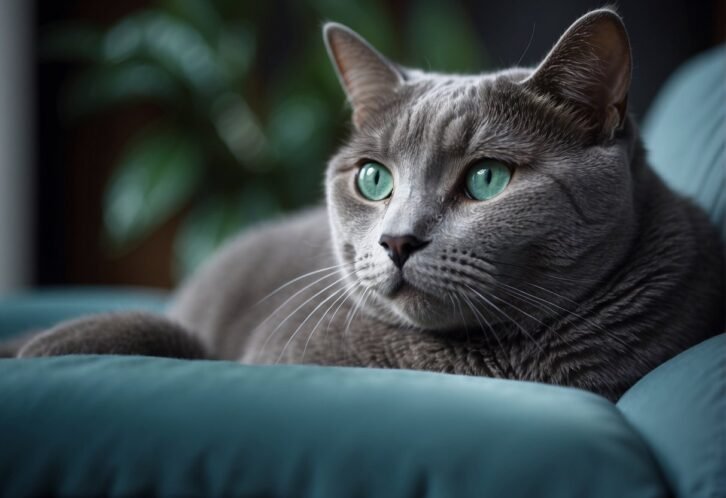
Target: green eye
<point>375,182</point>
<point>487,179</point>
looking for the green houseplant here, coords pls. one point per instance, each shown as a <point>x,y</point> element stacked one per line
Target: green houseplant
<point>247,106</point>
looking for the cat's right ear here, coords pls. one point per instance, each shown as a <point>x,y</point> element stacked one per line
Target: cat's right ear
<point>367,77</point>
<point>590,67</point>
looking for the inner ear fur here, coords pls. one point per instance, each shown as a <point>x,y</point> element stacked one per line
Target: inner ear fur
<point>590,67</point>
<point>367,77</point>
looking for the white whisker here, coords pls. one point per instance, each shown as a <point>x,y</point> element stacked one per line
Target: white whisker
<point>300,326</point>
<point>269,336</point>
<point>317,324</point>
<point>499,310</point>
<point>325,277</point>
<point>287,284</point>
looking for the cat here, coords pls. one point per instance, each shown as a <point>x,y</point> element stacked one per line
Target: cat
<point>503,225</point>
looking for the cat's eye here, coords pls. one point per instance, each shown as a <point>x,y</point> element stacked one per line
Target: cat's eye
<point>375,181</point>
<point>487,179</point>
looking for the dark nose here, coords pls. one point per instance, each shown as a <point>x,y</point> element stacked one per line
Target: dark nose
<point>400,247</point>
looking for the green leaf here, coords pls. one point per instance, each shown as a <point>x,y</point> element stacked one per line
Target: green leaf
<point>71,41</point>
<point>441,38</point>
<point>103,86</point>
<point>215,220</point>
<point>201,14</point>
<point>299,131</point>
<point>172,43</point>
<point>156,176</point>
<point>239,129</point>
<point>236,49</point>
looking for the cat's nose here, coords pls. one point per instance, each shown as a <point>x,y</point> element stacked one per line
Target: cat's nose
<point>400,247</point>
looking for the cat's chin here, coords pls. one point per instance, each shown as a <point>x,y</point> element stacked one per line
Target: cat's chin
<point>417,308</point>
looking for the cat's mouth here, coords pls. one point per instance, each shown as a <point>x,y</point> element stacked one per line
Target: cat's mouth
<point>401,288</point>
<point>419,307</point>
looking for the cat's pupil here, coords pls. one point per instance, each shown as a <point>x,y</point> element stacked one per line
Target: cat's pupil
<point>487,176</point>
<point>377,177</point>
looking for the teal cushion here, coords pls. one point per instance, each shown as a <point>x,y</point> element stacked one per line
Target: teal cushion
<point>685,132</point>
<point>140,426</point>
<point>680,409</point>
<point>46,307</point>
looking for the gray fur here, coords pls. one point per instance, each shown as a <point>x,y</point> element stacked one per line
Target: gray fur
<point>586,271</point>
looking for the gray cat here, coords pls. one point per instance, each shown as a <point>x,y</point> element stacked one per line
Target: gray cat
<point>502,225</point>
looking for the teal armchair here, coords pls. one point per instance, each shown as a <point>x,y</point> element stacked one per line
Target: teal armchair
<point>92,425</point>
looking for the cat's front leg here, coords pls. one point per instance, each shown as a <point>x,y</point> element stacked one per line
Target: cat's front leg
<point>132,333</point>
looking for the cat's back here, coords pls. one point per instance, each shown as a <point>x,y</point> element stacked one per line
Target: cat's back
<point>221,301</point>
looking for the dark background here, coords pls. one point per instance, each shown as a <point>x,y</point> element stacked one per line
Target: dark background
<point>74,160</point>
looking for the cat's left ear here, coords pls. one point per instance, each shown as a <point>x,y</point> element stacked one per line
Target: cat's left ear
<point>590,67</point>
<point>368,78</point>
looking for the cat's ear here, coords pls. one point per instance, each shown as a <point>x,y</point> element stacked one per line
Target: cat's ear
<point>590,66</point>
<point>368,78</point>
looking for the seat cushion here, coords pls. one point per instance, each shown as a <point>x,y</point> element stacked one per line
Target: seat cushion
<point>685,132</point>
<point>46,307</point>
<point>680,409</point>
<point>142,426</point>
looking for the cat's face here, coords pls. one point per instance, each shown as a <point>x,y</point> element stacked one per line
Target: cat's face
<point>456,197</point>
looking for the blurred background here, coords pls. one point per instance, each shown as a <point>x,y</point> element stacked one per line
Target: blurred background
<point>137,135</point>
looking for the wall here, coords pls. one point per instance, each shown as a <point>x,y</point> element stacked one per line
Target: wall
<point>16,59</point>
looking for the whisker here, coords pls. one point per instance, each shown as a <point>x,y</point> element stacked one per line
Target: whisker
<point>577,315</point>
<point>355,309</point>
<point>518,309</point>
<point>550,292</point>
<point>269,336</point>
<point>461,311</point>
<point>332,273</point>
<point>549,308</point>
<point>478,315</point>
<point>350,292</point>
<point>315,272</point>
<point>341,296</point>
<point>457,306</point>
<point>498,309</point>
<point>536,301</point>
<point>300,326</point>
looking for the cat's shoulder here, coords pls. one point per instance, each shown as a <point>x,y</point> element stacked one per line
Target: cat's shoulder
<point>251,265</point>
<point>281,239</point>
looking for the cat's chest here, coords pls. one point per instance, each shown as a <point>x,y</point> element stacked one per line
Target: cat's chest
<point>336,332</point>
<point>342,336</point>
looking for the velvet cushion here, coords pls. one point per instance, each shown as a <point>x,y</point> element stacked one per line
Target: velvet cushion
<point>44,308</point>
<point>146,426</point>
<point>680,409</point>
<point>685,132</point>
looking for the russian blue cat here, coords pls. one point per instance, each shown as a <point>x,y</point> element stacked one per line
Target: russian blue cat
<point>503,224</point>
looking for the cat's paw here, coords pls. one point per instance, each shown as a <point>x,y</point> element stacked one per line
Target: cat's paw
<point>50,343</point>
<point>142,334</point>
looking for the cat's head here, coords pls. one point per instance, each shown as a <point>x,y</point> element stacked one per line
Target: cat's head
<point>459,200</point>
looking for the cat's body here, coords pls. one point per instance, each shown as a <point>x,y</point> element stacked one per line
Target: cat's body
<point>582,270</point>
<point>649,301</point>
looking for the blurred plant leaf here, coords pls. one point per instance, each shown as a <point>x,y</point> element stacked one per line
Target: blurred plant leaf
<point>295,127</point>
<point>239,129</point>
<point>173,43</point>
<point>72,41</point>
<point>255,104</point>
<point>216,219</point>
<point>233,40</point>
<point>103,86</point>
<point>158,173</point>
<point>201,14</point>
<point>441,38</point>
<point>236,48</point>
